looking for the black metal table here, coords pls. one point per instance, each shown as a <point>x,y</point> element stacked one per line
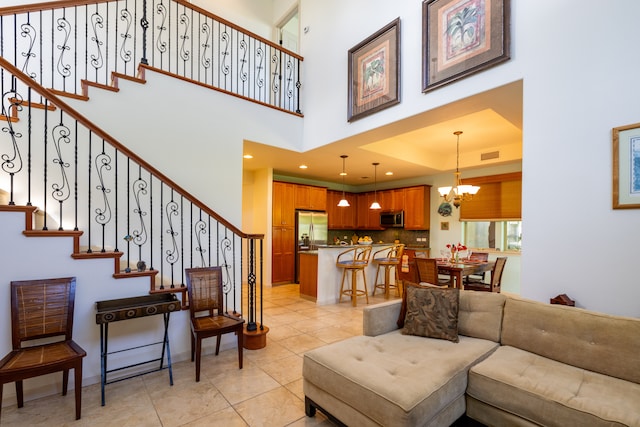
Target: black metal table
<point>130,308</point>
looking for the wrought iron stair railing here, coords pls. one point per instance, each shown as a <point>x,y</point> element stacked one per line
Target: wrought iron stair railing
<point>113,201</point>
<point>60,44</point>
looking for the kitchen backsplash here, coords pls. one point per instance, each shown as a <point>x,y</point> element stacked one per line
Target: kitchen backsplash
<point>408,237</point>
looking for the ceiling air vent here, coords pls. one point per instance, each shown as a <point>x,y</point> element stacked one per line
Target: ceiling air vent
<point>489,156</point>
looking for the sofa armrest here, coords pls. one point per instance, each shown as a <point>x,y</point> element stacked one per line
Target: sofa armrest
<point>381,318</point>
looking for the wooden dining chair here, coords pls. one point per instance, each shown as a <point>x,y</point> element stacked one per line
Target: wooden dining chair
<point>428,271</point>
<point>482,257</point>
<point>205,290</point>
<point>496,279</point>
<point>42,309</point>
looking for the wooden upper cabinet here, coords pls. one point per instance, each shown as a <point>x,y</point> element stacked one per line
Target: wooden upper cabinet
<point>397,200</point>
<point>385,198</point>
<point>310,197</point>
<point>417,207</point>
<point>341,217</point>
<point>283,207</point>
<point>368,219</point>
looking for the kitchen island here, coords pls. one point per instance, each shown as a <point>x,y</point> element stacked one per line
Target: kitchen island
<point>329,276</point>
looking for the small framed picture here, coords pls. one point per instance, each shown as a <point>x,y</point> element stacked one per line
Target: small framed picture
<point>444,226</point>
<point>626,167</point>
<point>374,72</point>
<point>462,37</point>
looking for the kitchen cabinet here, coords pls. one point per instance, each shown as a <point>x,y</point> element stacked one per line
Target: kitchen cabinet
<point>283,243</point>
<point>310,197</point>
<point>367,219</point>
<point>309,274</point>
<point>283,207</point>
<point>417,207</point>
<point>283,240</point>
<point>341,217</point>
<point>397,199</point>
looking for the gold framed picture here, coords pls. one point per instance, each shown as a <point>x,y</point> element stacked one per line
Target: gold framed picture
<point>462,37</point>
<point>374,72</point>
<point>626,167</point>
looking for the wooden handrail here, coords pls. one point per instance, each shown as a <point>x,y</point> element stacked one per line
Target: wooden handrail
<point>104,135</point>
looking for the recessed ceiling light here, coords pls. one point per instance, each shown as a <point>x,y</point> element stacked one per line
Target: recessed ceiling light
<point>388,173</point>
<point>302,166</point>
<point>248,156</point>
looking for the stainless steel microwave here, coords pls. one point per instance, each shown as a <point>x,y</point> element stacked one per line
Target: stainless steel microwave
<point>392,219</point>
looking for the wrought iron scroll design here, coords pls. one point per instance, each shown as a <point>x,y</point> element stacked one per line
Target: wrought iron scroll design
<point>63,45</point>
<point>125,53</point>
<point>64,68</point>
<point>103,213</point>
<point>61,190</point>
<point>28,31</point>
<point>12,159</point>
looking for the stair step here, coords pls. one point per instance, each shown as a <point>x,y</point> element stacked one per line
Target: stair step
<point>69,95</point>
<point>93,255</point>
<point>87,83</point>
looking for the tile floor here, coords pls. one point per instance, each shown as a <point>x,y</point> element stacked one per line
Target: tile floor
<point>266,392</point>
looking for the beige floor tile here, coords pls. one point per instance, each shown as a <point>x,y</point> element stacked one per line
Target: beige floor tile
<point>186,402</point>
<point>333,334</point>
<point>238,386</point>
<point>281,332</point>
<point>284,370</point>
<point>273,351</point>
<point>227,417</point>
<point>295,387</point>
<point>266,392</point>
<point>277,407</point>
<point>301,343</point>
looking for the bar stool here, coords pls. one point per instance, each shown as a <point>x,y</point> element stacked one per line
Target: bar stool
<point>354,260</point>
<point>391,259</point>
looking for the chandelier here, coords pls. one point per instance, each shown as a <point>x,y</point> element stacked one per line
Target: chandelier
<point>344,202</point>
<point>458,193</point>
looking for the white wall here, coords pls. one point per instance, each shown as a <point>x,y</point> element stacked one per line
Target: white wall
<point>193,135</point>
<point>580,80</point>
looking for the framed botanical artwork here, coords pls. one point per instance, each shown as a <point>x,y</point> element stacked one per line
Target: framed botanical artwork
<point>374,72</point>
<point>462,37</point>
<point>626,167</point>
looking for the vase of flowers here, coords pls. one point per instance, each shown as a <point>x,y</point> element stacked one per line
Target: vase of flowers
<point>455,252</point>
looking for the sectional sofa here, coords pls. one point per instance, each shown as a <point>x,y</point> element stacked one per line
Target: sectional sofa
<point>516,362</point>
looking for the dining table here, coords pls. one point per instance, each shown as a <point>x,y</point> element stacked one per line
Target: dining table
<point>458,270</point>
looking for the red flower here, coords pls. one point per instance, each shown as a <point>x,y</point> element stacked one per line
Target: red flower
<point>456,248</point>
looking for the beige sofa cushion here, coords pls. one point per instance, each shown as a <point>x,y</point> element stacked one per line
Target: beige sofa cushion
<point>594,341</point>
<point>480,314</point>
<point>395,379</point>
<point>551,393</point>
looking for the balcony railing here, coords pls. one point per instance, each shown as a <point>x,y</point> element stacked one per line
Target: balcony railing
<point>60,44</point>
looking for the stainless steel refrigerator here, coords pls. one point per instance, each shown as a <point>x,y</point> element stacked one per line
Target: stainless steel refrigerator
<point>311,231</point>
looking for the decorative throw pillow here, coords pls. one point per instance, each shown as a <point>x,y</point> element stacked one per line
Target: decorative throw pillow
<point>432,312</point>
<point>403,307</point>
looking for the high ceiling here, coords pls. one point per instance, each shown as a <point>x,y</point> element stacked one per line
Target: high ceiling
<point>417,146</point>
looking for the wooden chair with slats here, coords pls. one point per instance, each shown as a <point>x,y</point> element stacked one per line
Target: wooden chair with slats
<point>42,309</point>
<point>428,271</point>
<point>205,290</point>
<point>496,279</point>
<point>481,257</point>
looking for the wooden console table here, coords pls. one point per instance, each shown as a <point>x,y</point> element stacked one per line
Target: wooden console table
<point>131,308</point>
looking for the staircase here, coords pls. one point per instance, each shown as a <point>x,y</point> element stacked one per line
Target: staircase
<point>71,180</point>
